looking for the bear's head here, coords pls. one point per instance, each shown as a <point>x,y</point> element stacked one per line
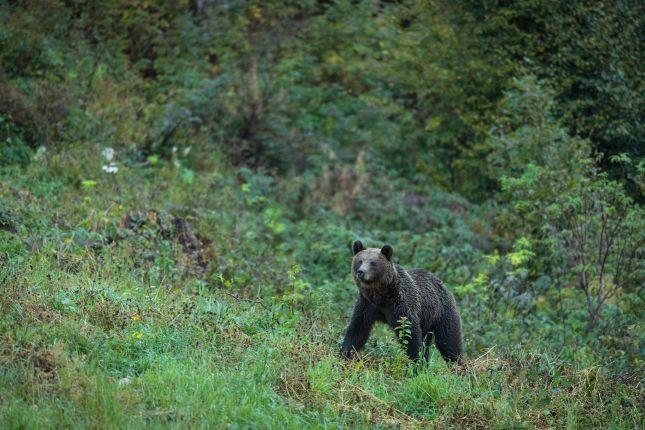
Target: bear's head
<point>372,266</point>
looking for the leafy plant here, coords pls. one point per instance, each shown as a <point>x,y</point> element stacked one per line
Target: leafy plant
<point>403,331</point>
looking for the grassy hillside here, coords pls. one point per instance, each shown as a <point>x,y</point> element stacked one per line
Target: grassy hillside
<point>117,314</point>
<point>179,183</point>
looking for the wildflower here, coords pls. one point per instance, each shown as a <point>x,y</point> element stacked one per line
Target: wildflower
<point>40,153</point>
<point>108,154</point>
<point>111,168</point>
<point>136,317</point>
<point>137,335</point>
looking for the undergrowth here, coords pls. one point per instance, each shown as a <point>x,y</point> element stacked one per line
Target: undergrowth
<point>130,304</point>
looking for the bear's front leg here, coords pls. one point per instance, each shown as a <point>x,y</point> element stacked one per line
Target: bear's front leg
<point>414,344</point>
<point>359,328</point>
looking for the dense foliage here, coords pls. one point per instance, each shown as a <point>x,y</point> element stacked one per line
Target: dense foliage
<point>179,182</point>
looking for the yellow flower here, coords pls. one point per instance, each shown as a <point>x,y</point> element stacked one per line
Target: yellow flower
<point>137,335</point>
<point>136,317</point>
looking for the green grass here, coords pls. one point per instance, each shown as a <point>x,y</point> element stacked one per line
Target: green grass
<point>104,325</point>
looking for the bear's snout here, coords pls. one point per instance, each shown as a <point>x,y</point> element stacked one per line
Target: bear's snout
<point>360,274</point>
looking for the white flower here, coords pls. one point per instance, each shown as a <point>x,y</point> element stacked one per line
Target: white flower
<point>111,168</point>
<point>40,153</point>
<point>108,154</point>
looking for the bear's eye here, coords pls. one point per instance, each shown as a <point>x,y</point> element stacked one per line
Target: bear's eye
<point>373,263</point>
<point>360,262</point>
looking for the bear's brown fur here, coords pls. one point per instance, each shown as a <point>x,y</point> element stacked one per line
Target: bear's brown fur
<point>391,294</point>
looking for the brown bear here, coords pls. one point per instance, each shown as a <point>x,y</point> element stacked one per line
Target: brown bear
<point>390,294</point>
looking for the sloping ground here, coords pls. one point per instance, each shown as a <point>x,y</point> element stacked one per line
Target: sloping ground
<point>154,298</point>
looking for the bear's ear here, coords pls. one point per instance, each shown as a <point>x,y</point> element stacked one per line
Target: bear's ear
<point>357,246</point>
<point>387,251</point>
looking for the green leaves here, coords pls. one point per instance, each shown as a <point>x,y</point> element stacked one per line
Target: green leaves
<point>403,331</point>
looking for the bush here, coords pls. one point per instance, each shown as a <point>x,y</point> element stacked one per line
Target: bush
<point>583,225</point>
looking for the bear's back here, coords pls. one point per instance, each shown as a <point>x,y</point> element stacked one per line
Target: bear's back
<point>426,279</point>
<point>435,298</point>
